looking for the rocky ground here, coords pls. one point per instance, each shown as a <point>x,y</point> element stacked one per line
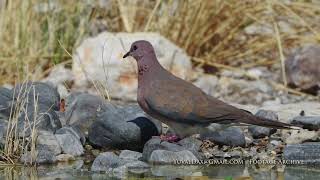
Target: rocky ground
<point>74,121</point>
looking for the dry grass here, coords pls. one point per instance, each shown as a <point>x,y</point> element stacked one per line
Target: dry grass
<point>213,30</point>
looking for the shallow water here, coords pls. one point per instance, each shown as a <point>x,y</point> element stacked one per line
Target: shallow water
<point>77,170</point>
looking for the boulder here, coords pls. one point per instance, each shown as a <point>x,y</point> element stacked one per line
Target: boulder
<point>115,129</point>
<point>36,104</point>
<point>82,110</point>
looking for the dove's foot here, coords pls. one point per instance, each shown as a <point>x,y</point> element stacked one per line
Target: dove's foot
<point>170,138</point>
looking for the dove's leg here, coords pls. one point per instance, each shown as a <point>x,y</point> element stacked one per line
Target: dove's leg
<point>170,138</point>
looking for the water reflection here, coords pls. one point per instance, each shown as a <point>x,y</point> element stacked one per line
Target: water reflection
<point>77,170</point>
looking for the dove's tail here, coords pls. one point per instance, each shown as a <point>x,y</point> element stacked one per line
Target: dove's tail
<point>259,121</point>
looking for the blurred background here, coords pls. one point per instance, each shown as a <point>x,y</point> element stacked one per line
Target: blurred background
<point>252,38</point>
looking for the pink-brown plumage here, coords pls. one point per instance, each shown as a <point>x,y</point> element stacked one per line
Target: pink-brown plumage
<point>182,106</point>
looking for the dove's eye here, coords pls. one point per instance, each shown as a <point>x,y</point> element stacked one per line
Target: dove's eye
<point>134,48</point>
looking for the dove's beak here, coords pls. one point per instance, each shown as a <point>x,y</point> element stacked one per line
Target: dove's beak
<point>126,55</point>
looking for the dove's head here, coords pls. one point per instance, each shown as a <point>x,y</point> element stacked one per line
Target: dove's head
<point>140,49</point>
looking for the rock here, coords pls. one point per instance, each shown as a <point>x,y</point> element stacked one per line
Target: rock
<point>308,153</point>
<point>36,101</point>
<point>70,144</point>
<point>113,129</point>
<point>73,131</point>
<point>6,98</point>
<point>156,144</point>
<point>106,161</point>
<point>231,136</point>
<point>259,131</point>
<point>121,75</point>
<point>303,135</point>
<point>302,68</point>
<point>46,120</point>
<point>47,95</point>
<point>65,157</point>
<point>82,110</point>
<point>130,155</point>
<point>307,122</point>
<point>41,157</point>
<point>170,157</point>
<point>47,140</point>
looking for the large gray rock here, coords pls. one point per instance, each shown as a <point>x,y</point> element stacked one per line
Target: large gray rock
<point>42,117</point>
<point>307,122</point>
<point>47,141</point>
<point>307,153</point>
<point>82,110</point>
<point>170,157</point>
<point>102,57</point>
<point>259,131</point>
<point>116,130</point>
<point>70,144</point>
<point>47,95</point>
<point>302,68</point>
<point>231,136</point>
<point>35,104</point>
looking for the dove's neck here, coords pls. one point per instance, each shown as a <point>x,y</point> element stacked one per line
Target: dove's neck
<point>148,69</point>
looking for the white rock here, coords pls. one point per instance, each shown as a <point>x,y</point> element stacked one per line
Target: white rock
<point>99,59</point>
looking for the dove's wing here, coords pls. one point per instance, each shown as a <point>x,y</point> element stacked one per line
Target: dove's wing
<point>183,102</point>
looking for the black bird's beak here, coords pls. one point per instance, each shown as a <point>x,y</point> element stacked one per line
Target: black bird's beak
<point>126,55</point>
